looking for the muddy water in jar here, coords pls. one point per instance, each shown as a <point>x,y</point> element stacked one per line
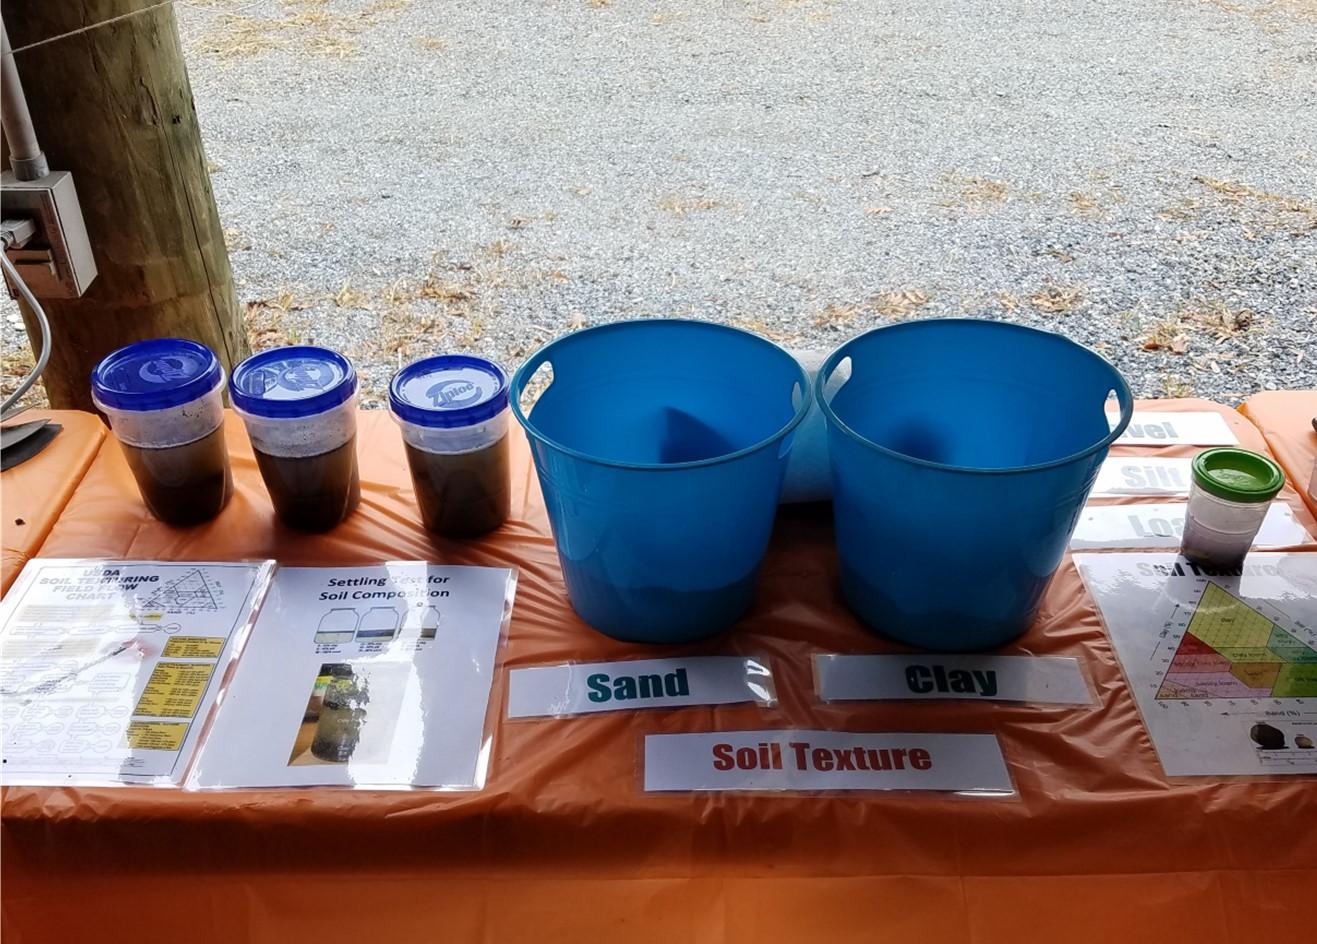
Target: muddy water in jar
<point>313,493</point>
<point>464,494</point>
<point>185,484</point>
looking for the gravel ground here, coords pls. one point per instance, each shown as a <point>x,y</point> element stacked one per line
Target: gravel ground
<point>407,176</point>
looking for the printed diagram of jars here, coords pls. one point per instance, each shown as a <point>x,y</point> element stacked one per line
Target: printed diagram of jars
<point>343,624</point>
<point>342,715</point>
<point>429,623</point>
<point>380,622</point>
<point>338,625</point>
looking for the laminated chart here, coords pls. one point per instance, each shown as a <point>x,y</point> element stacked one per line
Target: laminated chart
<point>1229,649</point>
<point>349,681</point>
<point>1223,665</point>
<point>109,669</point>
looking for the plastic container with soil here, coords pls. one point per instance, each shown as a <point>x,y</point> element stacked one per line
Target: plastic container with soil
<point>300,408</point>
<point>453,413</point>
<point>1229,495</point>
<point>164,400</point>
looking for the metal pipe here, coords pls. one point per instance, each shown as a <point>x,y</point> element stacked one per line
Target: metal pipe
<point>25,156</point>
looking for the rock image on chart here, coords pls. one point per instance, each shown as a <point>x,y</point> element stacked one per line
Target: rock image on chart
<point>1267,737</point>
<point>1231,650</point>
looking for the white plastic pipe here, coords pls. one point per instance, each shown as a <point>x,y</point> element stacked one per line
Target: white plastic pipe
<point>25,155</point>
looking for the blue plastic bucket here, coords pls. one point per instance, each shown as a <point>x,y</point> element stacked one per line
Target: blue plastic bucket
<point>962,453</point>
<point>661,447</point>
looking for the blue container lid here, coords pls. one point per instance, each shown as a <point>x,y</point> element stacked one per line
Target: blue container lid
<point>291,382</point>
<point>449,391</point>
<point>155,375</point>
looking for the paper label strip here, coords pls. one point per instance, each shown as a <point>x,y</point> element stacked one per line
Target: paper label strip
<point>1175,429</point>
<point>1034,679</point>
<point>590,687</point>
<point>824,760</point>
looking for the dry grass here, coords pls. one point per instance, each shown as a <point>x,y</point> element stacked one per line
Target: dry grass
<point>901,303</point>
<point>1083,203</point>
<point>405,334</point>
<point>451,303</point>
<point>433,43</point>
<point>836,315</point>
<point>895,304</point>
<point>1258,212</point>
<point>1057,299</point>
<point>815,11</point>
<point>1273,17</point>
<point>349,297</point>
<point>14,366</point>
<point>234,240</point>
<point>765,330</point>
<point>267,322</point>
<point>1211,322</point>
<point>1168,335</point>
<point>692,201</point>
<point>438,289</point>
<point>1219,320</point>
<point>972,193</point>
<point>1177,387</point>
<point>877,210</point>
<point>299,26</point>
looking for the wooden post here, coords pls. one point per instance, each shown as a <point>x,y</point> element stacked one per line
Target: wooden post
<point>113,105</point>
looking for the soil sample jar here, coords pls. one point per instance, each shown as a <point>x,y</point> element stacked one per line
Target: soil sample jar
<point>300,408</point>
<point>453,410</point>
<point>164,401</point>
<point>1229,495</point>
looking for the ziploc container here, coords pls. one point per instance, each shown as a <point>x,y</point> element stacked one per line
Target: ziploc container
<point>164,401</point>
<point>453,413</point>
<point>300,408</point>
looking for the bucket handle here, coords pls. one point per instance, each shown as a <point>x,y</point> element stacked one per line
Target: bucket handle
<point>538,378</point>
<point>838,378</point>
<point>797,393</point>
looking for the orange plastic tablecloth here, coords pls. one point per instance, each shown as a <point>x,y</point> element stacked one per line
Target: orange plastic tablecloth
<point>562,845</point>
<point>1285,418</point>
<point>34,493</point>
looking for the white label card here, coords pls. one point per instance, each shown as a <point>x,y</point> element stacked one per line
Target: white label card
<point>1037,679</point>
<point>585,688</point>
<point>1141,475</point>
<point>1161,525</point>
<point>824,760</point>
<point>1175,429</point>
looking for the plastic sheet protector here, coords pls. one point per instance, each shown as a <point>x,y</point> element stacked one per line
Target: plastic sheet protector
<point>1223,665</point>
<point>364,676</point>
<point>109,669</point>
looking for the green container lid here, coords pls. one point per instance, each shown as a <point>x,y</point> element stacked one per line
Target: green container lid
<point>1237,475</point>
